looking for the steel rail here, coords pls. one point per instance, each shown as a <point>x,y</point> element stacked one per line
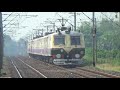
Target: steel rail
<point>32,68</point>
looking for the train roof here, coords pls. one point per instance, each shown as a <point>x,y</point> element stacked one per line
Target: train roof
<point>72,33</point>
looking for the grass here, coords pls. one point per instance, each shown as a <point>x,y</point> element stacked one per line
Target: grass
<point>5,66</point>
<point>108,67</point>
<point>104,63</point>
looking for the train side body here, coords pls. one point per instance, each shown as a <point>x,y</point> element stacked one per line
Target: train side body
<point>52,47</point>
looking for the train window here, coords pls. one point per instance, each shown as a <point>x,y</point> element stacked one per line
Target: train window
<point>75,40</point>
<point>59,40</point>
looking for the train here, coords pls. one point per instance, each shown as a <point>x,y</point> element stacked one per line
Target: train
<point>63,47</point>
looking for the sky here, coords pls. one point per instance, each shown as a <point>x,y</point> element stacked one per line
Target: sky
<point>25,24</point>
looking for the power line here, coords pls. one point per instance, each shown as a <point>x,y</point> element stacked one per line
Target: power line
<point>104,15</point>
<point>10,28</point>
<point>80,19</point>
<point>10,21</point>
<point>85,23</point>
<point>52,22</point>
<point>15,22</point>
<point>23,19</point>
<point>110,19</point>
<point>87,16</point>
<point>66,20</point>
<point>7,17</point>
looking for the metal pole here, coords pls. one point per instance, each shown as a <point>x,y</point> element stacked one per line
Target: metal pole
<point>42,32</point>
<point>72,27</point>
<point>74,21</point>
<point>47,28</point>
<point>62,21</point>
<point>93,39</point>
<point>1,42</point>
<point>54,26</point>
<point>119,17</point>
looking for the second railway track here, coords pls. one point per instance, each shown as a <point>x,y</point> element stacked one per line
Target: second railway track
<point>24,70</point>
<point>72,71</point>
<point>53,71</point>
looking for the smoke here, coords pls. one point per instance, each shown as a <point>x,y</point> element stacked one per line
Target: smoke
<point>14,48</point>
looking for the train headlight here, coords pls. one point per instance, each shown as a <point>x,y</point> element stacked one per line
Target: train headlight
<point>61,50</point>
<point>58,55</point>
<point>82,52</point>
<point>77,55</point>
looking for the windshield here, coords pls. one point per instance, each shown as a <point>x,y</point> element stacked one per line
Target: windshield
<point>59,40</point>
<point>75,40</point>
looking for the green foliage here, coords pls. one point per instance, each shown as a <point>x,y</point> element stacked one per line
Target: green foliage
<point>108,38</point>
<point>86,30</point>
<point>88,51</point>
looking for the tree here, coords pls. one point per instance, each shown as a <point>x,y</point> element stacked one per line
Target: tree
<point>108,37</point>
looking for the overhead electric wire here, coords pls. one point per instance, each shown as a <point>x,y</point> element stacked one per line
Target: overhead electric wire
<point>7,17</point>
<point>14,23</point>
<point>87,16</point>
<point>10,21</point>
<point>52,22</point>
<point>10,28</point>
<point>62,17</point>
<point>85,23</point>
<point>104,15</point>
<point>66,20</point>
<point>80,19</point>
<point>110,19</point>
<point>23,19</point>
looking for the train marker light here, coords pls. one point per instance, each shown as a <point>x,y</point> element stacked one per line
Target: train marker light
<point>77,55</point>
<point>58,55</point>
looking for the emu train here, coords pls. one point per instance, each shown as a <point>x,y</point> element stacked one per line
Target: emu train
<point>63,47</point>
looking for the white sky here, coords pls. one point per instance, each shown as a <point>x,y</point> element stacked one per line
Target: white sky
<point>34,22</point>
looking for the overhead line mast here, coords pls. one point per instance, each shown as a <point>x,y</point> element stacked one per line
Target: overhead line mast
<point>94,39</point>
<point>74,21</point>
<point>1,43</point>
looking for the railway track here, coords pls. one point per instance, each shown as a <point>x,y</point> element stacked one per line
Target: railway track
<point>99,73</point>
<point>79,72</point>
<point>57,72</point>
<point>87,73</point>
<point>75,71</point>
<point>20,70</point>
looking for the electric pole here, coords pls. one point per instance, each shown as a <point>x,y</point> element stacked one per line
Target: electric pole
<point>1,42</point>
<point>51,23</point>
<point>54,26</point>
<point>93,33</point>
<point>47,28</point>
<point>119,17</point>
<point>74,21</point>
<point>62,21</point>
<point>95,40</point>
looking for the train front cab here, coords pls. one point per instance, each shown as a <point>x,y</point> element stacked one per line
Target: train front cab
<point>68,50</point>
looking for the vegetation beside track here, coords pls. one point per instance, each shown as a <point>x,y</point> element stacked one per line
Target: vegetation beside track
<point>108,44</point>
<point>5,70</point>
<point>108,64</point>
